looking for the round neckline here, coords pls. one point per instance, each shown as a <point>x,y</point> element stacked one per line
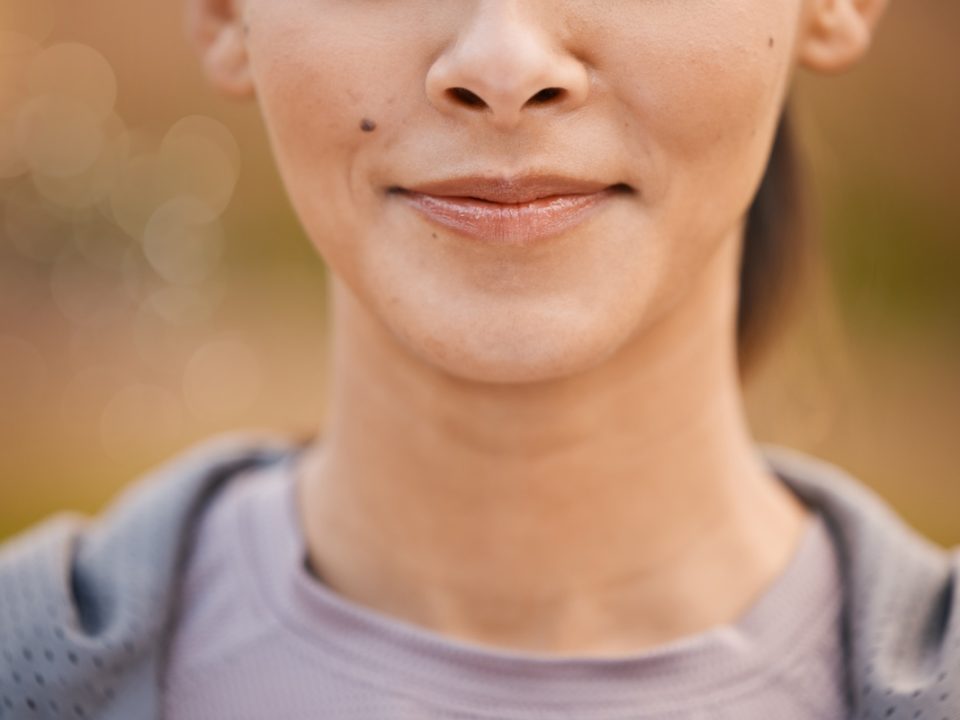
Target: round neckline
<point>489,681</point>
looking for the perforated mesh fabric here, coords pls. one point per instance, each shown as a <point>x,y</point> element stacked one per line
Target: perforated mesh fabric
<point>84,606</point>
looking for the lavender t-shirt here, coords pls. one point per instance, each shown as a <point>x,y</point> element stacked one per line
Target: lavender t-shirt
<point>260,638</point>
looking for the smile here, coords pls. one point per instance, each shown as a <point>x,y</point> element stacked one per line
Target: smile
<point>512,211</point>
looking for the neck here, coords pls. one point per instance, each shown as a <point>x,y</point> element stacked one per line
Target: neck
<point>609,511</point>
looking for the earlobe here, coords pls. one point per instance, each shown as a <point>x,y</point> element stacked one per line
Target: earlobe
<point>218,32</point>
<point>227,64</point>
<point>838,33</point>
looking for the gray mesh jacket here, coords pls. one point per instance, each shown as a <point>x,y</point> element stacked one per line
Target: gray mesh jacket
<point>86,606</point>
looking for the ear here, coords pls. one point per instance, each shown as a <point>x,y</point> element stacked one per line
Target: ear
<point>838,33</point>
<point>218,31</point>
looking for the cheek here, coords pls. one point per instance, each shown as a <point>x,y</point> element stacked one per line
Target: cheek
<point>330,105</point>
<point>707,98</point>
<point>712,118</point>
<point>703,86</point>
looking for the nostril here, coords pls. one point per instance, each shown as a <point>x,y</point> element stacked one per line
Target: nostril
<point>466,97</point>
<point>546,95</point>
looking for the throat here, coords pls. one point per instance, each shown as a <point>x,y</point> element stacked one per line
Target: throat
<point>550,573</point>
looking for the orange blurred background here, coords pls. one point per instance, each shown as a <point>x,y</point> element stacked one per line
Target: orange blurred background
<point>156,289</point>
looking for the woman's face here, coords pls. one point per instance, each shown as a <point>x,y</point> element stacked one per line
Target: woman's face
<point>676,100</point>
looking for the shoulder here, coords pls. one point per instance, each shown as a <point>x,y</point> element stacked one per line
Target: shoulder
<point>901,600</point>
<point>84,603</point>
<point>864,522</point>
<point>876,544</point>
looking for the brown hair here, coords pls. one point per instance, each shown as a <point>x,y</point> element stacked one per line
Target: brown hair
<point>776,250</point>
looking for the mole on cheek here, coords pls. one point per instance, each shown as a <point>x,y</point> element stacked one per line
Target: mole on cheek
<point>368,125</point>
<point>770,42</point>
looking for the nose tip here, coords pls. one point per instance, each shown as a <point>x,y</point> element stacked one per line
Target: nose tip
<point>503,68</point>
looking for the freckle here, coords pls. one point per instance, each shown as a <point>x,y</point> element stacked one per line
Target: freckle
<point>368,125</point>
<point>434,235</point>
<point>770,42</point>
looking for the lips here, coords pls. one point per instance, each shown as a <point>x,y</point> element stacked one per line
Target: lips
<point>511,211</point>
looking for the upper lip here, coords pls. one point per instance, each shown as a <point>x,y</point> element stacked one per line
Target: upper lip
<point>510,189</point>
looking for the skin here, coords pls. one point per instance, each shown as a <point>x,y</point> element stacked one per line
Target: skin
<point>540,448</point>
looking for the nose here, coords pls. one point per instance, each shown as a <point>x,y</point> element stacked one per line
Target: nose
<point>502,65</point>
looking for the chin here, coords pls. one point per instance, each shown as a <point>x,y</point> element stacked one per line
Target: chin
<point>508,349</point>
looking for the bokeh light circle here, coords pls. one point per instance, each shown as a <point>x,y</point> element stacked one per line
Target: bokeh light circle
<point>183,241</point>
<point>200,158</point>
<point>58,136</point>
<point>94,184</point>
<point>77,72</point>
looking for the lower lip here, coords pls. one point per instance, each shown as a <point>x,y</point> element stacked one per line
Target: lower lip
<point>509,224</point>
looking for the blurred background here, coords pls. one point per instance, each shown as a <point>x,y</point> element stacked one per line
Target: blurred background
<point>156,288</point>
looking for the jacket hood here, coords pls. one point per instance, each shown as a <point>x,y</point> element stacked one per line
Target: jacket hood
<point>87,607</point>
<point>900,611</point>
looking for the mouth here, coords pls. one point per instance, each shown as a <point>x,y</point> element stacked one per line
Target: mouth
<point>509,211</point>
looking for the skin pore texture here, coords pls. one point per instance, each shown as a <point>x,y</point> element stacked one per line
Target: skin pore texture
<point>540,447</point>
